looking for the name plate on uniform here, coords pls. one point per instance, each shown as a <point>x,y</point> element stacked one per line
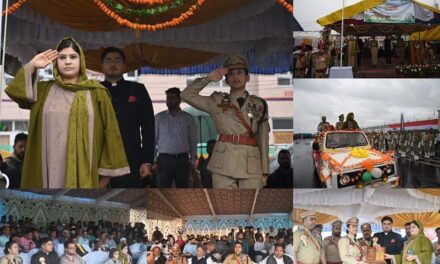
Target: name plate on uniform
<point>376,256</point>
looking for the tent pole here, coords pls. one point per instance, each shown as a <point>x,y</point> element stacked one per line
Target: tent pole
<point>342,33</point>
<point>200,138</point>
<point>2,66</point>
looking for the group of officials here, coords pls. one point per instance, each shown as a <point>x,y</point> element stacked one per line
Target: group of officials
<point>166,143</point>
<point>310,248</point>
<point>348,124</point>
<point>239,158</point>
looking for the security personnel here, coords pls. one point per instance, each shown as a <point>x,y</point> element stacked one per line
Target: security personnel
<point>381,142</point>
<point>323,125</point>
<point>240,157</point>
<point>349,248</point>
<point>401,50</point>
<point>301,63</point>
<point>238,257</point>
<point>330,244</point>
<point>307,249</point>
<point>320,62</point>
<point>340,123</point>
<point>402,143</point>
<point>374,49</point>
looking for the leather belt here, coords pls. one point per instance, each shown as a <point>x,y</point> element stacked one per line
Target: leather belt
<point>238,139</point>
<point>178,155</point>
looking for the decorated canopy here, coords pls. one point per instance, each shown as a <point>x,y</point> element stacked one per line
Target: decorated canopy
<point>165,37</point>
<point>427,35</point>
<point>198,211</point>
<point>371,205</point>
<point>383,17</point>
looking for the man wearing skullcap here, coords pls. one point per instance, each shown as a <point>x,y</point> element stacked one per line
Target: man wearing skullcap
<point>330,244</point>
<point>307,249</point>
<point>241,155</point>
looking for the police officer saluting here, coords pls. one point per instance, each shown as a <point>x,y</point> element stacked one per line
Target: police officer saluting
<point>240,157</point>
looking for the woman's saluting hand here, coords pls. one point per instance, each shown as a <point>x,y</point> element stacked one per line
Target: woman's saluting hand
<point>43,59</point>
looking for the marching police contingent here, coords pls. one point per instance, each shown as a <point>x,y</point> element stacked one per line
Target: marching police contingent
<point>419,144</point>
<point>240,158</point>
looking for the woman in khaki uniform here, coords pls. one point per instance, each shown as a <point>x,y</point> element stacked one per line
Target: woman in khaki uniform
<point>176,257</point>
<point>11,254</point>
<point>350,251</point>
<point>238,257</point>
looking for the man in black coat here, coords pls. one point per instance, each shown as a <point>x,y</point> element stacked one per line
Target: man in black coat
<point>392,241</point>
<point>279,256</point>
<point>388,51</point>
<point>134,111</point>
<point>200,257</point>
<point>46,254</point>
<point>157,256</point>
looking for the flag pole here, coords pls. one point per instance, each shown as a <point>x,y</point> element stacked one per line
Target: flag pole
<point>342,33</point>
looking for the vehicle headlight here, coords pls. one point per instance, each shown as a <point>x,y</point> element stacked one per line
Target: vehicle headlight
<point>345,179</point>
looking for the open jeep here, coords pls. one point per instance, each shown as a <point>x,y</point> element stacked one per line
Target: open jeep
<point>345,159</point>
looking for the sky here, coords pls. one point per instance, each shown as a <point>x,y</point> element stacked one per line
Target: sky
<point>373,101</point>
<point>308,11</point>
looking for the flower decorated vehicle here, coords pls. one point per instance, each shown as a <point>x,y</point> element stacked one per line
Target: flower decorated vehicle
<point>345,159</point>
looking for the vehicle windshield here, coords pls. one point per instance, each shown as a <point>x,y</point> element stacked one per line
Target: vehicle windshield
<point>342,140</point>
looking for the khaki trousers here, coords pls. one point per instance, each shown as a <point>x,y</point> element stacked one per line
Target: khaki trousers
<point>220,181</point>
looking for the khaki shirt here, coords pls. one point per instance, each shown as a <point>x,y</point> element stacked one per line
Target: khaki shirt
<point>242,259</point>
<point>349,250</point>
<point>302,61</point>
<point>320,62</point>
<point>237,161</point>
<point>330,247</point>
<point>307,249</point>
<point>340,125</point>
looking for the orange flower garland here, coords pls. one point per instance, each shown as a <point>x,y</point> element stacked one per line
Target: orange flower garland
<point>14,7</point>
<point>287,5</point>
<point>148,2</point>
<point>137,26</point>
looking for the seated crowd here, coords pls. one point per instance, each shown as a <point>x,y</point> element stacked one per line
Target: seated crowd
<point>104,242</point>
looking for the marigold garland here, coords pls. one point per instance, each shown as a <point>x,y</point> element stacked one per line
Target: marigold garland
<point>287,5</point>
<point>149,2</point>
<point>137,26</point>
<point>14,7</point>
<point>359,153</point>
<point>138,12</point>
